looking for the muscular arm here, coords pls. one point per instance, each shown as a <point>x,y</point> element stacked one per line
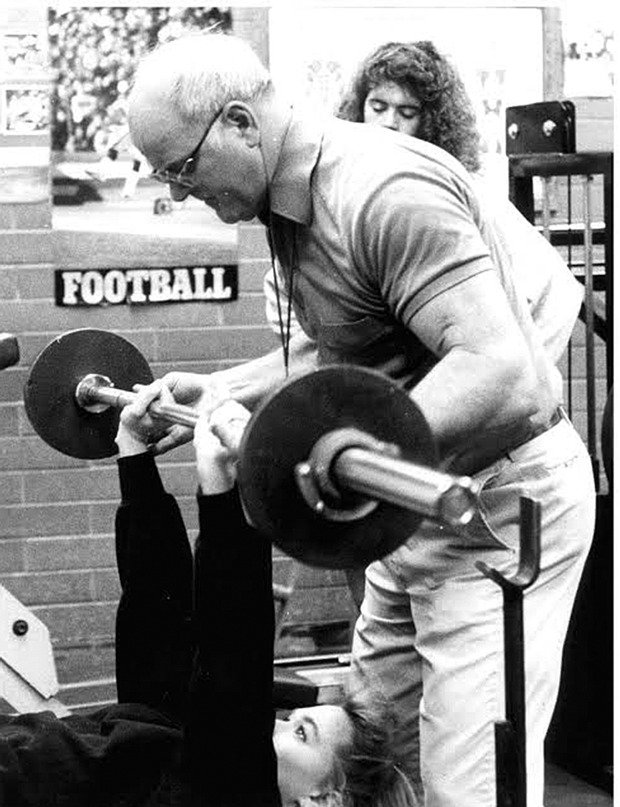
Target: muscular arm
<point>423,242</point>
<point>249,383</point>
<point>231,716</point>
<point>252,381</point>
<point>484,383</point>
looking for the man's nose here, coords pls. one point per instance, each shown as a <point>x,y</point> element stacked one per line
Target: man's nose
<point>178,192</point>
<point>279,727</point>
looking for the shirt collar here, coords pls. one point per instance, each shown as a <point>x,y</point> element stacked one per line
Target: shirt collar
<point>289,189</point>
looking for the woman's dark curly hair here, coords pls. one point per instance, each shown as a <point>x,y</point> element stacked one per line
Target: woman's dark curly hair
<point>447,117</point>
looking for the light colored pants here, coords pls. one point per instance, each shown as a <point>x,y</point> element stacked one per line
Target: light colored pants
<point>430,634</point>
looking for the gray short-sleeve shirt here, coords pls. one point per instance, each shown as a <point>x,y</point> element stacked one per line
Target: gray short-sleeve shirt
<point>374,225</point>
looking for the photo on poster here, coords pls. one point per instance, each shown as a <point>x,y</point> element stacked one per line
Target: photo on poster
<point>23,52</point>
<point>93,53</point>
<point>25,110</point>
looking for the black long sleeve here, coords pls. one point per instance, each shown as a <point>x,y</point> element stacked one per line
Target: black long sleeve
<point>154,645</point>
<point>116,757</point>
<point>230,728</point>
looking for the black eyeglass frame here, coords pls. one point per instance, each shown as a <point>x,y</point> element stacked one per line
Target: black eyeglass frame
<point>188,167</point>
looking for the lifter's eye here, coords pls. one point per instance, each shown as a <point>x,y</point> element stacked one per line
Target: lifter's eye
<point>300,732</point>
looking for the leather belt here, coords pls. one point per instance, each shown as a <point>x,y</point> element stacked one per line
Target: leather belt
<point>555,418</point>
<point>473,467</point>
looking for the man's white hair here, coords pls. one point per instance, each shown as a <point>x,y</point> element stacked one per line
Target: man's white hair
<point>205,71</point>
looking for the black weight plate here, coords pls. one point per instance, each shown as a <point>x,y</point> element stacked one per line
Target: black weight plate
<point>281,434</point>
<point>49,393</point>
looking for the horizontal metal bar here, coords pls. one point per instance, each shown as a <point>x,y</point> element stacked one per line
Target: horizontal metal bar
<point>435,494</point>
<point>589,162</point>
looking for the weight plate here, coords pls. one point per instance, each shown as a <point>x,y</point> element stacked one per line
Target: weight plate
<point>49,393</point>
<point>282,432</point>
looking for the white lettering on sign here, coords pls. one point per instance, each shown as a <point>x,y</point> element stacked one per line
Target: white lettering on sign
<point>181,286</point>
<point>160,286</point>
<point>136,278</point>
<point>114,287</point>
<point>71,287</point>
<point>146,286</point>
<point>91,288</point>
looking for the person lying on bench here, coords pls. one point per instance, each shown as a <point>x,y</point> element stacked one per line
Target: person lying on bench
<point>194,723</point>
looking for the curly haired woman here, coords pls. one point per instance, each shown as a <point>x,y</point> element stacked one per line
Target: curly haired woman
<point>411,88</point>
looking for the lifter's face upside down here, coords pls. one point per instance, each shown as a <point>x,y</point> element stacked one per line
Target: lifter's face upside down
<point>307,746</point>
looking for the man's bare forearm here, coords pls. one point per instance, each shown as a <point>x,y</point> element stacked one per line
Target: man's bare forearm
<point>252,381</point>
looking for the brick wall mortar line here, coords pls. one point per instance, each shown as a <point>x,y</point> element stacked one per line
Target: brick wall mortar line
<point>84,502</point>
<point>56,572</point>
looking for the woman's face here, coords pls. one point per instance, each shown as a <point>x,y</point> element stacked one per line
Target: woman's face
<point>306,746</point>
<point>393,106</point>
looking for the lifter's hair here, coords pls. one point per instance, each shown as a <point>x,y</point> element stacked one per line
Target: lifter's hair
<point>447,117</point>
<point>368,765</point>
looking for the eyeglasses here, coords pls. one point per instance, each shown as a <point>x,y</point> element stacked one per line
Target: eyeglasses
<point>181,171</point>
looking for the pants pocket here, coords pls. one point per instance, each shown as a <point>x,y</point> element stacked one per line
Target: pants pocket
<point>497,505</point>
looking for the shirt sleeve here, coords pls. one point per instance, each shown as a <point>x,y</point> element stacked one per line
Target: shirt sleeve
<point>154,643</point>
<point>418,238</point>
<point>231,715</point>
<point>115,756</point>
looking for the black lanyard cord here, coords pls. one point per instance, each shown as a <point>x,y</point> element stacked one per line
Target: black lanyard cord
<point>285,331</point>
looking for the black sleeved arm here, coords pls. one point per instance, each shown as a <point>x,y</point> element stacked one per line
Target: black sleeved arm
<point>112,758</point>
<point>120,755</point>
<point>230,726</point>
<point>154,646</point>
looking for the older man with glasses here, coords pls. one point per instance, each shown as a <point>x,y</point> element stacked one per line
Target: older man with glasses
<point>391,261</point>
<point>179,174</point>
<point>169,128</point>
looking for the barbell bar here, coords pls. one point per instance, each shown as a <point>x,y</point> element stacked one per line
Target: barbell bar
<point>338,467</point>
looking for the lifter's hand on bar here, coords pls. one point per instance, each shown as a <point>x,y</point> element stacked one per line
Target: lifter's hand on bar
<point>137,429</point>
<point>217,437</point>
<point>204,393</point>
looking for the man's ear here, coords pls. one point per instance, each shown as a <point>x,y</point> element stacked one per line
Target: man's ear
<point>242,117</point>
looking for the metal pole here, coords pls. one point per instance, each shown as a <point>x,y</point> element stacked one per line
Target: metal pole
<point>511,733</point>
<point>546,207</point>
<point>432,493</point>
<point>589,322</point>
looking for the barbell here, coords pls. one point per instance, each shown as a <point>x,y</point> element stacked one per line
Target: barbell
<point>337,467</point>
